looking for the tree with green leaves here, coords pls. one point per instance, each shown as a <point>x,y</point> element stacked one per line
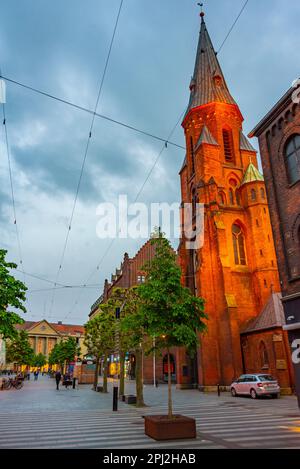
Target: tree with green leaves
<point>39,360</point>
<point>134,338</point>
<point>18,350</point>
<point>55,356</point>
<point>99,340</point>
<point>168,311</point>
<point>12,295</point>
<point>64,352</point>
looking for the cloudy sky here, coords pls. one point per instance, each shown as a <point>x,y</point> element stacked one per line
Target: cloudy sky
<point>61,47</point>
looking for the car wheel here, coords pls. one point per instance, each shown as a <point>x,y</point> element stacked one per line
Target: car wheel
<point>253,394</point>
<point>275,396</point>
<point>233,392</point>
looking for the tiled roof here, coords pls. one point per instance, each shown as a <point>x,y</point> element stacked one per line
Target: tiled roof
<point>206,137</point>
<point>60,328</point>
<point>208,83</point>
<point>245,144</point>
<point>271,316</point>
<point>252,174</point>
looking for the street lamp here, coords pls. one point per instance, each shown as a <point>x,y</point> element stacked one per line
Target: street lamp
<point>117,347</point>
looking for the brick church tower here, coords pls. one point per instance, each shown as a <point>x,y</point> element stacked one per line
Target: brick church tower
<point>235,271</point>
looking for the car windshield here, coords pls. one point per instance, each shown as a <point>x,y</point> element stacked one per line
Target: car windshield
<point>266,378</point>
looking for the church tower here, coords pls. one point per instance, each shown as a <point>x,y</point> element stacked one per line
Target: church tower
<point>235,271</point>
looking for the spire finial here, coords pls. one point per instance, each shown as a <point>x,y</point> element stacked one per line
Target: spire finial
<point>202,14</point>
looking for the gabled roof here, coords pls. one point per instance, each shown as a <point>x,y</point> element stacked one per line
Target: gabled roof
<point>208,83</point>
<point>71,329</point>
<point>252,174</point>
<point>271,316</point>
<point>245,144</point>
<point>205,137</point>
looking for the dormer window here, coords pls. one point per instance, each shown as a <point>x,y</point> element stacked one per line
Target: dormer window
<point>218,80</point>
<point>228,145</point>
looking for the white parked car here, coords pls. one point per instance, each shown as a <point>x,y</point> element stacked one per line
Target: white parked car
<point>256,385</point>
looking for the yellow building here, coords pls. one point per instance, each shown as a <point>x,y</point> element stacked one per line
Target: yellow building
<point>43,336</point>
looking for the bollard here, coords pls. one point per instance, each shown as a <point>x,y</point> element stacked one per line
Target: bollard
<point>219,390</point>
<point>74,383</point>
<point>115,398</point>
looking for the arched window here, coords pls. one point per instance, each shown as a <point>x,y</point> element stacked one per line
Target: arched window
<point>193,156</point>
<point>238,197</point>
<point>263,353</point>
<point>262,193</point>
<point>221,198</point>
<point>253,194</point>
<point>228,145</point>
<point>292,159</point>
<point>231,197</point>
<point>238,245</point>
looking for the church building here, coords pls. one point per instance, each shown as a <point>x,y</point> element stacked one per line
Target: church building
<point>236,269</point>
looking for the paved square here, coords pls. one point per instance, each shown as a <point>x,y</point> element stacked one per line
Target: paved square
<point>38,416</point>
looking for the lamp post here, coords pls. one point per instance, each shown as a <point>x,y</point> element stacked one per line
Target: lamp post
<point>117,348</point>
<point>154,364</point>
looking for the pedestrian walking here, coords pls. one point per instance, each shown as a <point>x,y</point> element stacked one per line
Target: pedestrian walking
<point>57,379</point>
<point>67,380</point>
<point>36,375</point>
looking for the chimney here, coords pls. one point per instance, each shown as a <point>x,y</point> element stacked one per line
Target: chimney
<point>59,322</point>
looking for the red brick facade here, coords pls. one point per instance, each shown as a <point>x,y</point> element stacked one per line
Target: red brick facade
<point>128,275</point>
<point>235,271</point>
<point>279,141</point>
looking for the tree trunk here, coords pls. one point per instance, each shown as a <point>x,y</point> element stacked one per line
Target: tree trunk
<point>105,371</point>
<point>122,374</point>
<point>139,378</point>
<point>96,373</point>
<point>170,410</point>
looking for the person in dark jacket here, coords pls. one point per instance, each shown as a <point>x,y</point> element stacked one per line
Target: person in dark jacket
<point>57,379</point>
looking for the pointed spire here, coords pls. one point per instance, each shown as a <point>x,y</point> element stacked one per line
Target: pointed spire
<point>245,144</point>
<point>252,175</point>
<point>208,83</point>
<point>205,137</point>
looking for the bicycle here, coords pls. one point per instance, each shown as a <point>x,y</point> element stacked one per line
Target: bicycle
<point>12,382</point>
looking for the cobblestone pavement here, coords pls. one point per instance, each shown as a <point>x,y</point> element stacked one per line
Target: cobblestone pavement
<point>38,416</point>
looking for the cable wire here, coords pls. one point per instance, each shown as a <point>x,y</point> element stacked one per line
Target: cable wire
<point>232,27</point>
<point>158,157</point>
<point>4,122</point>
<point>96,114</point>
<point>86,150</point>
<point>164,147</point>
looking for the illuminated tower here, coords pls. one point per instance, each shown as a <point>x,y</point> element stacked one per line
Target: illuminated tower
<point>235,271</point>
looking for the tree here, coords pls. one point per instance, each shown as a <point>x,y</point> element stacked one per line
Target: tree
<point>55,356</point>
<point>99,340</point>
<point>168,311</point>
<point>18,350</point>
<point>12,294</point>
<point>39,360</point>
<point>134,336</point>
<point>64,352</point>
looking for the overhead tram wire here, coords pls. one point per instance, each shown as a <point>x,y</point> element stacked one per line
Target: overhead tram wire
<point>4,122</point>
<point>96,114</point>
<point>167,141</point>
<point>87,149</point>
<point>159,155</point>
<point>232,27</point>
<point>164,147</point>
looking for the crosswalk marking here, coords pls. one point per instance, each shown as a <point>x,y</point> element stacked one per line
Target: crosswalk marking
<point>217,427</point>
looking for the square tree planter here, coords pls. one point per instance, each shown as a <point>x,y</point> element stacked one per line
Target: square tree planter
<point>160,427</point>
